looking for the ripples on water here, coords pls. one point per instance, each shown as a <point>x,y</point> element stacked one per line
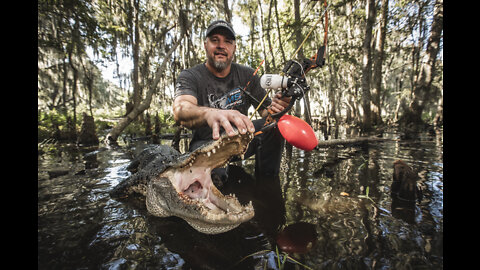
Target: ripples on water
<point>81,227</point>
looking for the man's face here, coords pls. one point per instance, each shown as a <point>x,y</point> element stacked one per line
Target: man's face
<point>220,50</point>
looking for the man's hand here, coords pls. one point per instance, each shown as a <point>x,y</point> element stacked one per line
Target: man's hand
<point>279,103</point>
<point>189,114</point>
<point>217,118</point>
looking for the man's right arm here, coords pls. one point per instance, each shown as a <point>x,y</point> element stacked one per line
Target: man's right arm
<point>187,112</point>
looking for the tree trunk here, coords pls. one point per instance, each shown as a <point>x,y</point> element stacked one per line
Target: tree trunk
<point>87,134</point>
<point>367,66</point>
<point>269,26</point>
<point>298,38</point>
<point>73,126</point>
<point>176,138</point>
<point>145,104</point>
<point>262,37</point>
<point>378,61</point>
<point>279,34</point>
<point>137,92</point>
<point>228,12</point>
<point>252,31</point>
<point>438,120</point>
<point>64,87</point>
<point>422,89</point>
<point>332,87</point>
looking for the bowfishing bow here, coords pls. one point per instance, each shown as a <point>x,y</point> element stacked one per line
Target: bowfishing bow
<point>293,84</point>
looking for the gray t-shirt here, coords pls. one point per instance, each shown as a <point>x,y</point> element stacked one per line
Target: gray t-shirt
<point>222,93</point>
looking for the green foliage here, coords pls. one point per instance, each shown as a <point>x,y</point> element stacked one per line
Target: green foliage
<point>366,195</point>
<point>68,29</point>
<point>50,124</point>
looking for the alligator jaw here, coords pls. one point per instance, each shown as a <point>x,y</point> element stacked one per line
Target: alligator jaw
<point>209,211</point>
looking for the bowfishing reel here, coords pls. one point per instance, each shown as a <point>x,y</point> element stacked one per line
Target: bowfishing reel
<point>291,86</point>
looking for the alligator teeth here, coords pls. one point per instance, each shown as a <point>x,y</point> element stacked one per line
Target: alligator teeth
<point>214,150</point>
<point>208,154</point>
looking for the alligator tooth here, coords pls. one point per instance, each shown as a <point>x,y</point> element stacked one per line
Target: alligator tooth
<point>208,154</point>
<point>214,150</point>
<point>242,156</point>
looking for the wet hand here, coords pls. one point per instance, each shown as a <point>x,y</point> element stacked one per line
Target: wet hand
<point>217,118</point>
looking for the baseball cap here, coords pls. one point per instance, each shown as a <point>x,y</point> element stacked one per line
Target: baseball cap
<point>221,24</point>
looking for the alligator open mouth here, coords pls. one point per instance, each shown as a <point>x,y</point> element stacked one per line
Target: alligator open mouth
<point>212,212</point>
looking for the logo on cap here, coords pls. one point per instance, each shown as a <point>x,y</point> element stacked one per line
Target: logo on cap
<point>220,23</point>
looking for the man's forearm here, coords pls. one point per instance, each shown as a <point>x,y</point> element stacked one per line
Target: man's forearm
<point>189,115</point>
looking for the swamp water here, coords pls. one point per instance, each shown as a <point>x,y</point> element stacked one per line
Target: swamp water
<point>81,227</point>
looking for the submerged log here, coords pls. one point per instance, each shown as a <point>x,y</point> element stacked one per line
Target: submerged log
<point>358,140</point>
<point>405,192</point>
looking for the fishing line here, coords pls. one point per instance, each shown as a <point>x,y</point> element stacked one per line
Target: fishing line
<point>301,88</point>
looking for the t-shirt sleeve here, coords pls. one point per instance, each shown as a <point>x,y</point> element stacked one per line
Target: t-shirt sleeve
<point>186,84</point>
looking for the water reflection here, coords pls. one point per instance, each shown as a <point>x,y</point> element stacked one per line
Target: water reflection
<point>356,233</point>
<point>81,227</point>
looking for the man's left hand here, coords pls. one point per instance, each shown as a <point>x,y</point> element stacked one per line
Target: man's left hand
<point>279,103</point>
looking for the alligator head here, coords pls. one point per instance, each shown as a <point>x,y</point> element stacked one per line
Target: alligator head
<point>184,187</point>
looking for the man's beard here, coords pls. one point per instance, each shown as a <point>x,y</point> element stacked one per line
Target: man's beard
<point>219,65</point>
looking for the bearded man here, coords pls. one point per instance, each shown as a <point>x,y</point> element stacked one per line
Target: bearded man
<point>209,97</point>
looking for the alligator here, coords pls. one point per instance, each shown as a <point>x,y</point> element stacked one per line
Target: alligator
<point>175,184</point>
